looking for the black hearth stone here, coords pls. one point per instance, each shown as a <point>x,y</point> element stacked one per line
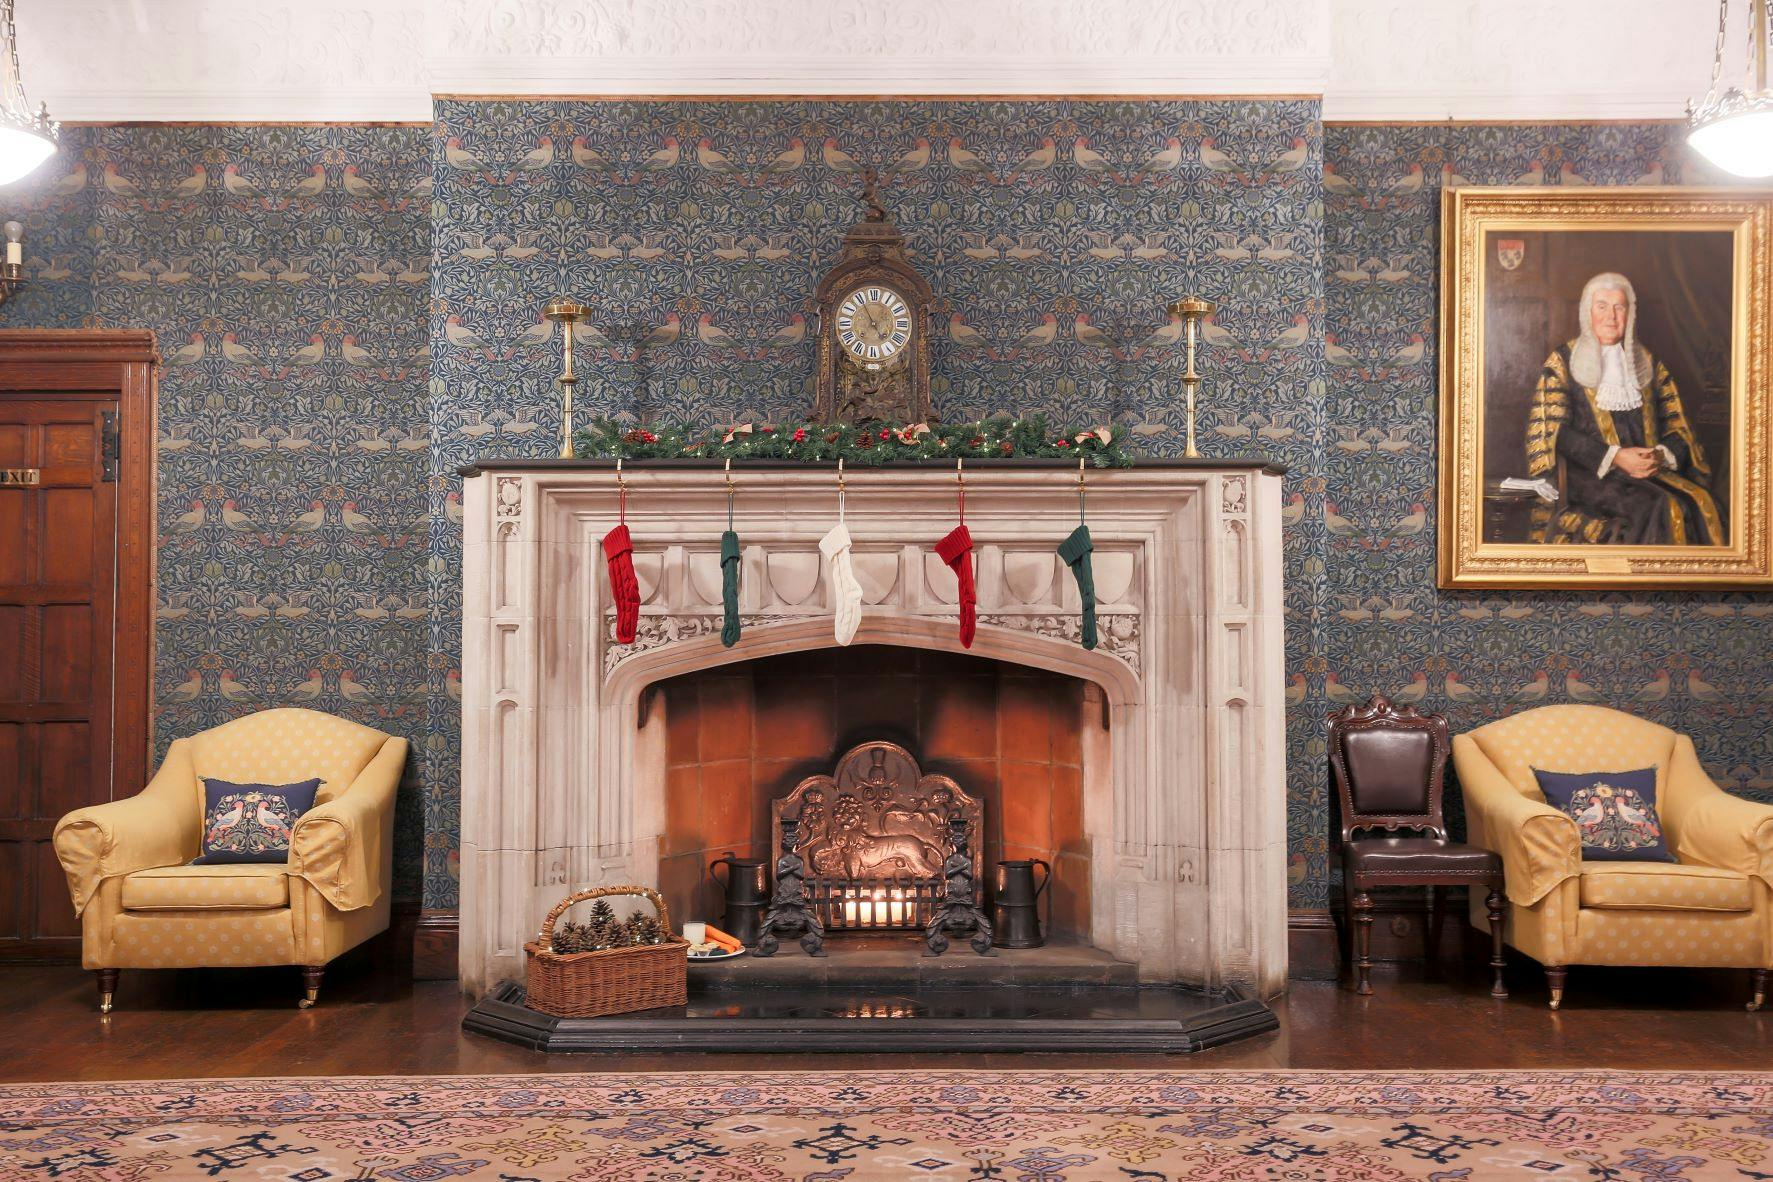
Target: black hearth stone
<point>897,961</point>
<point>851,1019</point>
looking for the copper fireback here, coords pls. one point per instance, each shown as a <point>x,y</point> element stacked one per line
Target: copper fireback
<point>876,818</point>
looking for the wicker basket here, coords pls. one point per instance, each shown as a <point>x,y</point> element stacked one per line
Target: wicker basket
<point>609,981</point>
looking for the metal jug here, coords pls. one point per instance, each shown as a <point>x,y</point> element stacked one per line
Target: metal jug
<point>1014,909</point>
<point>747,890</point>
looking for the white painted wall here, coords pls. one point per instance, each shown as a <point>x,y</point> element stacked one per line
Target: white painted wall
<point>383,59</point>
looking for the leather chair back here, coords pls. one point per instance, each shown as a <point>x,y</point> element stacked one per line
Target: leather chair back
<point>1390,767</point>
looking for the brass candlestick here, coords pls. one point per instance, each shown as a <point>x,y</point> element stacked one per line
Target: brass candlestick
<point>566,313</point>
<point>1191,309</point>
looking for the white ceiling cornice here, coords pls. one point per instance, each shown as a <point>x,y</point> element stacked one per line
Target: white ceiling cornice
<point>1402,60</point>
<point>383,60</point>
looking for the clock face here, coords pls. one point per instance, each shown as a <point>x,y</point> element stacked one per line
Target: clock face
<point>873,324</point>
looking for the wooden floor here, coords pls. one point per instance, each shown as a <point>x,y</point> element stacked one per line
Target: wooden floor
<point>371,1021</point>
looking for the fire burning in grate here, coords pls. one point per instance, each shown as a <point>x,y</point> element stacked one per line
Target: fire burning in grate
<point>844,906</point>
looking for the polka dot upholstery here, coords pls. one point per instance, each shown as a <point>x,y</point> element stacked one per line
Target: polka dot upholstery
<point>142,905</point>
<point>247,887</point>
<point>1662,886</point>
<point>1709,939</point>
<point>1713,909</point>
<point>283,747</point>
<point>1573,739</point>
<point>201,939</point>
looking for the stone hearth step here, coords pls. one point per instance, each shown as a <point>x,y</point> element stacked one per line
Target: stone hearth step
<point>897,961</point>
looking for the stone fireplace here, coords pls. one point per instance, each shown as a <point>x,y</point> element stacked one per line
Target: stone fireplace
<point>1149,771</point>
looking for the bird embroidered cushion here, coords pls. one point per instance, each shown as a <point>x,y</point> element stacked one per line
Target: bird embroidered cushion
<point>1615,813</point>
<point>251,822</point>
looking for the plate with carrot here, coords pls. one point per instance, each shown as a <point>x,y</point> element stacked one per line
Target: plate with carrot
<point>718,946</point>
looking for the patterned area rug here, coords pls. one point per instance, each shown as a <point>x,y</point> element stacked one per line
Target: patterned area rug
<point>1018,1126</point>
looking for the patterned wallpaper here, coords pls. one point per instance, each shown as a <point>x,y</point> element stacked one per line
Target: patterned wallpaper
<point>285,270</point>
<point>320,424</point>
<point>1054,233</point>
<point>1695,662</point>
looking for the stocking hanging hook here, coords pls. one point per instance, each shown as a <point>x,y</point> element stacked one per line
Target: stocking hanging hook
<point>1080,488</point>
<point>729,492</point>
<point>621,493</point>
<point>840,488</point>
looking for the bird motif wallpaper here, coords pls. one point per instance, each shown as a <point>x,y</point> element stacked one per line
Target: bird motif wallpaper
<point>350,313</point>
<point>286,273</point>
<point>1054,233</point>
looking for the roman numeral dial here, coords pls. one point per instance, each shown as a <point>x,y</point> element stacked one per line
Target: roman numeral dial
<point>873,324</point>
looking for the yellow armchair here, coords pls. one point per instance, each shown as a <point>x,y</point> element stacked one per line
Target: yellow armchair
<point>1712,909</point>
<point>142,905</point>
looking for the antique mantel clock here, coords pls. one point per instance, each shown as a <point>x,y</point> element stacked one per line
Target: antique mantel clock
<point>874,324</point>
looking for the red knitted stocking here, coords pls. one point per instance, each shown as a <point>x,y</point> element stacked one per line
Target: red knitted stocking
<point>957,551</point>
<point>618,549</point>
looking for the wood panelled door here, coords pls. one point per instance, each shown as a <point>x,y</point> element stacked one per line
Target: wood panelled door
<point>73,693</point>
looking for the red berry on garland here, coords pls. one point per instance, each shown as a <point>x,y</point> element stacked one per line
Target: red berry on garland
<point>1061,443</point>
<point>800,435</point>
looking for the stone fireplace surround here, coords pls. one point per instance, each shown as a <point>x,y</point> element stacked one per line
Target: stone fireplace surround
<point>563,773</point>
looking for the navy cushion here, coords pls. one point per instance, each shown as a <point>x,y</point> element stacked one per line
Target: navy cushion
<point>1615,812</point>
<point>251,822</point>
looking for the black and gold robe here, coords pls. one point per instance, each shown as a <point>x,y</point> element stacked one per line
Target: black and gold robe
<point>1568,434</point>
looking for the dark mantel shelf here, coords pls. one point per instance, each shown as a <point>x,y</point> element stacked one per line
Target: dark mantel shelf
<point>692,464</point>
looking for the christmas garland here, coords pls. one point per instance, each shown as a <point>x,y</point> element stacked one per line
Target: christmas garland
<point>859,445</point>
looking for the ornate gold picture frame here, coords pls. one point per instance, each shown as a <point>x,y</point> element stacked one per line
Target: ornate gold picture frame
<point>1604,387</point>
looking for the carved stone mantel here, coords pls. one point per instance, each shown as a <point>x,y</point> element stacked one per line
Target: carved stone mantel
<point>562,782</point>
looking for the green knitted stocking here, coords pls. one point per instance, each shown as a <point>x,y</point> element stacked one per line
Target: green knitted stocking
<point>729,587</point>
<point>1075,550</point>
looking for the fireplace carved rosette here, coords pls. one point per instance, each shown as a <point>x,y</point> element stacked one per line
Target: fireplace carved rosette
<point>1182,736</point>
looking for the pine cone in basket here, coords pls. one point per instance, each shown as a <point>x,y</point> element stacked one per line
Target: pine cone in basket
<point>570,937</point>
<point>643,929</point>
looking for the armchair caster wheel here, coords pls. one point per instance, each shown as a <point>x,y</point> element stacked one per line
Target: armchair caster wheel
<point>1554,979</point>
<point>1557,998</point>
<point>310,986</point>
<point>107,988</point>
<point>1758,981</point>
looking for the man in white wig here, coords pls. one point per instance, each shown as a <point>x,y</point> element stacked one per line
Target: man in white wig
<point>1608,425</point>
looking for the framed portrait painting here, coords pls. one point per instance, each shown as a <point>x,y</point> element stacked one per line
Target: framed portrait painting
<point>1604,387</point>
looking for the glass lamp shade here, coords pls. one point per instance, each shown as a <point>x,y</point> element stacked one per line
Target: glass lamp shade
<point>1740,143</point>
<point>21,151</point>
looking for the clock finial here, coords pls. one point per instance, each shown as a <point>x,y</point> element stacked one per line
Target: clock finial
<point>871,197</point>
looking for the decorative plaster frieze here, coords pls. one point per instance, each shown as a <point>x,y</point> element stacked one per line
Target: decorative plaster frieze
<point>1401,60</point>
<point>383,59</point>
